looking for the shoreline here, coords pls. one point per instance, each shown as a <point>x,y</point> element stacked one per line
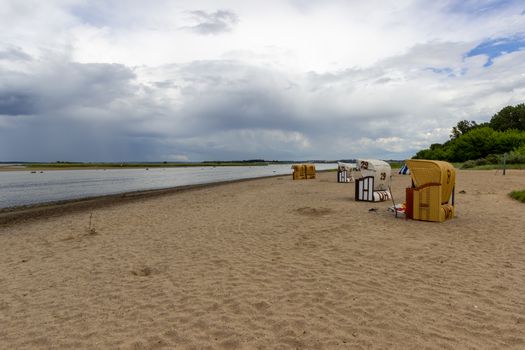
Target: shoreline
<point>38,169</point>
<point>15,214</point>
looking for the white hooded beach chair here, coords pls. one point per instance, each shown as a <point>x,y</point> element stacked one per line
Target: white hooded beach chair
<point>374,183</point>
<point>344,172</point>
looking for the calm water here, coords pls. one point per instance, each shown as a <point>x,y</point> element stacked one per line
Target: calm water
<point>23,187</point>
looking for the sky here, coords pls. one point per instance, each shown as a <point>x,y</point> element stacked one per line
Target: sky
<point>137,80</point>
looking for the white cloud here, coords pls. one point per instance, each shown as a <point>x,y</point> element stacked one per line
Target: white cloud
<point>281,79</point>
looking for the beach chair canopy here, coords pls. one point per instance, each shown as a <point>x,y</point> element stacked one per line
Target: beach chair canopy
<point>345,166</point>
<point>379,169</point>
<point>425,172</point>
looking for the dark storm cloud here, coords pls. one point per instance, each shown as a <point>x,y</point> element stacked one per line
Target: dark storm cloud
<point>227,102</point>
<point>64,110</point>
<point>222,109</point>
<point>48,138</point>
<point>213,22</point>
<point>239,101</point>
<point>228,109</point>
<point>228,95</point>
<point>14,54</point>
<point>57,86</point>
<point>17,103</point>
<point>88,84</point>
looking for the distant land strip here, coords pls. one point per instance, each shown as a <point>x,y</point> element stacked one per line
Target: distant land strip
<point>120,165</point>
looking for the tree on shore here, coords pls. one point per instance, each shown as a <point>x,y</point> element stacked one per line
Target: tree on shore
<point>510,117</point>
<point>461,128</point>
<point>505,133</point>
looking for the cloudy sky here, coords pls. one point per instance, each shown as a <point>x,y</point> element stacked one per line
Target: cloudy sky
<point>138,80</point>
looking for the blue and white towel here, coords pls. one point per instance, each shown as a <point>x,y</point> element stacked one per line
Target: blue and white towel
<point>404,170</point>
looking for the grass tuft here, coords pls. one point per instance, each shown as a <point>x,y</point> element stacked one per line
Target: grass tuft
<point>518,195</point>
<point>471,166</point>
<point>91,228</point>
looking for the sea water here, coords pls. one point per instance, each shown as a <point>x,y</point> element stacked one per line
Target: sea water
<point>30,187</point>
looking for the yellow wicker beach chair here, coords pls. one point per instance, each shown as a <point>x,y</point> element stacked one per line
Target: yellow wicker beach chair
<point>310,171</point>
<point>299,172</point>
<point>431,197</point>
<point>303,171</point>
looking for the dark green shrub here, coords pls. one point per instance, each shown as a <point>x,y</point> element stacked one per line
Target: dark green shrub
<point>493,158</point>
<point>468,164</point>
<point>481,161</point>
<point>515,158</point>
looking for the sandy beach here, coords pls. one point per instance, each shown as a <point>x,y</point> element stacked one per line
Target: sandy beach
<point>269,264</point>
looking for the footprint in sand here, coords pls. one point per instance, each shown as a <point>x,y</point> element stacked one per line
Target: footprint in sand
<point>143,271</point>
<point>313,212</point>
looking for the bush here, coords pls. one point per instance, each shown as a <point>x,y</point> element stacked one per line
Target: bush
<point>493,158</point>
<point>481,161</point>
<point>470,140</point>
<point>521,149</point>
<point>515,158</point>
<point>468,164</point>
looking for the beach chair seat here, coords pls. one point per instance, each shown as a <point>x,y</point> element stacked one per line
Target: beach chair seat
<point>364,191</point>
<point>426,204</point>
<point>381,196</point>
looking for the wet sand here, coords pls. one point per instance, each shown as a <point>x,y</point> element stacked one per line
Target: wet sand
<point>269,264</point>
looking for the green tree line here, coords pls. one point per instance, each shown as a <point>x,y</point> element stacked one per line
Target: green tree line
<point>484,143</point>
